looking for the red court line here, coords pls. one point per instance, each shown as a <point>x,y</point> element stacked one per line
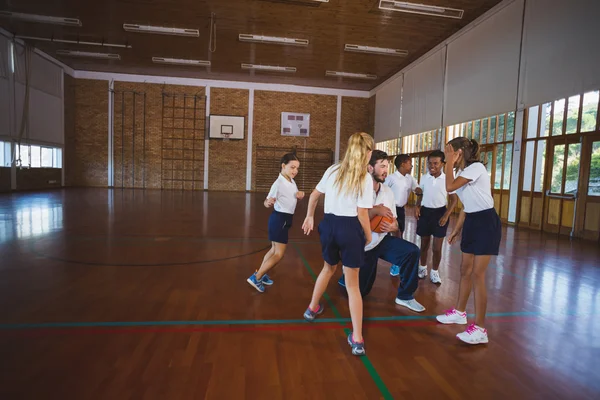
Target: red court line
<point>273,328</point>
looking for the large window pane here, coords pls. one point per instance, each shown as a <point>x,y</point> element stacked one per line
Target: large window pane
<point>540,166</point>
<point>507,164</point>
<point>477,130</point>
<point>493,121</point>
<point>57,158</point>
<point>557,169</point>
<point>36,156</point>
<point>573,162</point>
<point>532,121</point>
<point>594,182</point>
<point>470,130</point>
<point>484,130</point>
<point>510,126</point>
<point>499,158</point>
<point>559,113</point>
<point>590,111</point>
<point>23,156</point>
<point>546,109</point>
<point>46,157</point>
<point>528,170</point>
<point>500,133</point>
<point>573,114</point>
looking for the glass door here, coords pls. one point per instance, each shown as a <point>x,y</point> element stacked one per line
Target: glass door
<point>561,186</point>
<point>588,220</point>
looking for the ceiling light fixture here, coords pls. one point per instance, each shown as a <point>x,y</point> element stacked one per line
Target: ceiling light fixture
<point>375,50</point>
<point>244,37</point>
<point>44,19</point>
<point>88,54</point>
<point>181,61</point>
<point>81,42</point>
<point>424,9</point>
<point>274,68</point>
<point>161,30</point>
<point>350,75</point>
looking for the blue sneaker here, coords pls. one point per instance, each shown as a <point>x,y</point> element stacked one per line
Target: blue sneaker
<point>266,280</point>
<point>310,315</point>
<point>258,285</point>
<point>358,349</point>
<point>342,282</point>
<point>394,270</point>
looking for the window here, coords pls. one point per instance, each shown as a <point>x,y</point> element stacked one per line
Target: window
<point>5,155</point>
<point>35,156</point>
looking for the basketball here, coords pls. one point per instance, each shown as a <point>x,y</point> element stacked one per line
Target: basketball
<point>376,223</point>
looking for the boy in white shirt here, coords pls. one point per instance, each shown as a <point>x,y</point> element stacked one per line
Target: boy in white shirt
<point>402,183</point>
<point>432,214</point>
<point>385,246</point>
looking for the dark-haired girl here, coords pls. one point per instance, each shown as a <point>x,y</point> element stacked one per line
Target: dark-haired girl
<point>481,233</point>
<point>283,196</point>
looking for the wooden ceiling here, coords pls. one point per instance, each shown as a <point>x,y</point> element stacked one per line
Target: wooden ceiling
<point>328,26</point>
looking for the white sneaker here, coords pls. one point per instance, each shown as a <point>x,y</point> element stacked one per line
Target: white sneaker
<point>453,317</point>
<point>474,335</point>
<point>422,271</point>
<point>411,304</point>
<point>435,276</point>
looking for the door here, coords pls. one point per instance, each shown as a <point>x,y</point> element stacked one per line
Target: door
<point>561,185</point>
<point>588,220</point>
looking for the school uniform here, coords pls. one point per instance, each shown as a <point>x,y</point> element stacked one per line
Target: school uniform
<point>392,249</point>
<point>341,234</point>
<point>401,186</point>
<point>280,220</point>
<point>482,229</point>
<point>433,206</point>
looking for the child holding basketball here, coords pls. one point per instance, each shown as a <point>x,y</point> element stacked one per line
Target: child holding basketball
<point>283,197</point>
<point>481,233</point>
<point>345,230</point>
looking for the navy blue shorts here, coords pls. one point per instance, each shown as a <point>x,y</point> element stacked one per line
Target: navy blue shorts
<point>481,233</point>
<point>279,225</point>
<point>342,238</point>
<point>428,223</point>
<point>401,217</point>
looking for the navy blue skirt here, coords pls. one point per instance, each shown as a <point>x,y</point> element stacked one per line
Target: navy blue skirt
<point>279,225</point>
<point>428,223</point>
<point>342,238</point>
<point>481,234</point>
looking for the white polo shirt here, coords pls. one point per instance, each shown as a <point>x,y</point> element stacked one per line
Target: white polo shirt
<point>284,192</point>
<point>401,186</point>
<point>344,205</point>
<point>434,191</point>
<point>477,194</point>
<point>385,197</point>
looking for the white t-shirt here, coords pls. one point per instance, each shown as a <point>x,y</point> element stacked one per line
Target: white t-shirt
<point>284,192</point>
<point>385,197</point>
<point>344,205</point>
<point>477,194</point>
<point>401,185</point>
<point>434,191</point>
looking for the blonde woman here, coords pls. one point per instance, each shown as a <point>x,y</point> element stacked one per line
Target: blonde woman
<point>345,230</point>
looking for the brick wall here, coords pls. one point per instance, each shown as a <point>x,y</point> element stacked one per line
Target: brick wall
<point>86,145</point>
<point>38,178</point>
<point>227,160</point>
<point>134,166</point>
<point>268,107</point>
<point>355,118</point>
<point>69,159</point>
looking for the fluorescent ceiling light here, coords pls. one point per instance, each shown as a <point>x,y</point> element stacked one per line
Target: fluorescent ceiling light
<point>41,18</point>
<point>268,68</point>
<point>81,42</point>
<point>180,61</point>
<point>424,9</point>
<point>161,30</point>
<point>375,50</point>
<point>244,37</point>
<point>88,54</point>
<point>350,75</point>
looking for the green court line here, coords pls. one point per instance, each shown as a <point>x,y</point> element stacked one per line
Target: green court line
<point>365,360</point>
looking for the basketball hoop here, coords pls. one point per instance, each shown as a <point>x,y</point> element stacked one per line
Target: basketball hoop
<point>226,136</point>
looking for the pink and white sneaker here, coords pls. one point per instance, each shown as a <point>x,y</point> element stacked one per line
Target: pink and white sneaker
<point>474,335</point>
<point>453,316</point>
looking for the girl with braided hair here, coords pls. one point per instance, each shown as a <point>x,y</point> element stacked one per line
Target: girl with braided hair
<point>481,232</point>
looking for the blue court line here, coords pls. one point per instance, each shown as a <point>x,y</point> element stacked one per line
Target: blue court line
<point>239,321</point>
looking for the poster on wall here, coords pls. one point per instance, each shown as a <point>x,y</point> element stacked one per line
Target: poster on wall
<point>295,124</point>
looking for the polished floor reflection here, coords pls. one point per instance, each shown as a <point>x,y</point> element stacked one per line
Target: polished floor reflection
<point>132,294</point>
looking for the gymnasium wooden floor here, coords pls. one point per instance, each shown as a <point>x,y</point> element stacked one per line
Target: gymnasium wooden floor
<point>111,294</point>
